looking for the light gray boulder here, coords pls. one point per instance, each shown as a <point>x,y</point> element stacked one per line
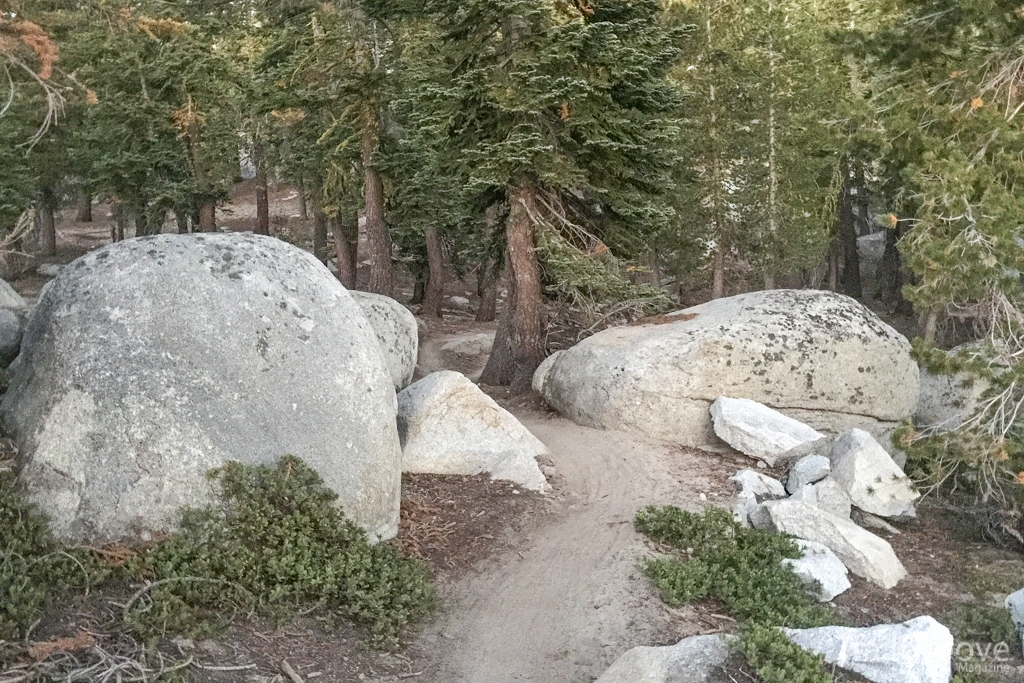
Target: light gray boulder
<point>758,431</point>
<point>459,301</point>
<point>540,375</point>
<point>469,344</point>
<point>916,651</point>
<point>826,495</point>
<point>49,269</point>
<point>818,357</point>
<point>449,426</point>
<point>869,476</point>
<point>10,298</point>
<point>809,469</point>
<point>150,361</point>
<point>396,331</point>
<point>821,570</point>
<point>945,401</point>
<point>1014,603</point>
<point>697,659</point>
<point>863,553</point>
<point>11,327</point>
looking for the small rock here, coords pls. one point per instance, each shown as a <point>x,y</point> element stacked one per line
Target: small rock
<point>870,477</point>
<point>49,269</point>
<point>756,430</point>
<point>459,300</point>
<point>10,298</point>
<point>692,660</point>
<point>862,552</point>
<point>870,521</point>
<point>809,469</point>
<point>761,485</point>
<point>472,344</point>
<point>916,651</point>
<point>1015,604</point>
<point>821,569</point>
<point>827,495</point>
<point>447,425</point>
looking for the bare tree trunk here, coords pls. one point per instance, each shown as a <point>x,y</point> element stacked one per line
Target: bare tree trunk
<point>377,239</point>
<point>500,368</point>
<point>117,230</point>
<point>433,296</point>
<point>847,225</point>
<point>47,222</point>
<point>718,273</point>
<point>84,214</point>
<point>487,288</point>
<point>345,259</point>
<point>262,226</point>
<point>303,208</point>
<point>833,268</point>
<point>319,232</point>
<point>208,216</point>
<point>525,317</point>
<point>181,217</point>
<point>931,324</point>
<point>769,281</point>
<point>419,288</point>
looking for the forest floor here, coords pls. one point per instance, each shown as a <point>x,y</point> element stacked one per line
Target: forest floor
<point>546,588</point>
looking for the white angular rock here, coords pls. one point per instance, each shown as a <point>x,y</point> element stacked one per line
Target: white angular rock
<point>754,489</point>
<point>819,357</point>
<point>809,469</point>
<point>448,426</point>
<point>459,300</point>
<point>697,659</point>
<point>761,485</point>
<point>916,651</point>
<point>862,552</point>
<point>827,495</point>
<point>870,477</point>
<point>396,331</point>
<point>820,568</point>
<point>10,298</point>
<point>540,375</point>
<point>758,431</point>
<point>150,361</point>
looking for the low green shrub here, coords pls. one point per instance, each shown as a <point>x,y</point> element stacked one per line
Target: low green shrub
<point>34,567</point>
<point>275,543</point>
<point>981,623</point>
<point>713,557</point>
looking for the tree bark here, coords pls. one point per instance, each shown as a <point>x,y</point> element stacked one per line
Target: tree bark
<point>343,255</point>
<point>419,289</point>
<point>433,296</point>
<point>303,208</point>
<point>487,288</point>
<point>500,368</point>
<point>319,232</point>
<point>262,226</point>
<point>208,216</point>
<point>718,273</point>
<point>525,317</point>
<point>47,222</point>
<point>84,214</point>
<point>378,241</point>
<point>847,228</point>
<point>181,217</point>
<point>931,324</point>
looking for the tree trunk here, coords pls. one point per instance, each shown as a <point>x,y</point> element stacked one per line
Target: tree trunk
<point>500,368</point>
<point>931,325</point>
<point>433,297</point>
<point>718,273</point>
<point>117,230</point>
<point>487,288</point>
<point>303,208</point>
<point>84,214</point>
<point>769,281</point>
<point>208,216</point>
<point>847,229</point>
<point>419,288</point>
<point>47,222</point>
<point>319,232</point>
<point>181,217</point>
<point>262,226</point>
<point>343,255</point>
<point>378,241</point>
<point>833,267</point>
<point>525,315</point>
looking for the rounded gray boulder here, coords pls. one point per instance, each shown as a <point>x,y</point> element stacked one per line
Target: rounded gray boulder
<point>151,361</point>
<point>817,357</point>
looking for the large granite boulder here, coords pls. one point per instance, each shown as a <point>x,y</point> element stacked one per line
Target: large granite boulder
<point>150,361</point>
<point>817,357</point>
<point>449,426</point>
<point>397,333</point>
<point>916,651</point>
<point>945,401</point>
<point>697,659</point>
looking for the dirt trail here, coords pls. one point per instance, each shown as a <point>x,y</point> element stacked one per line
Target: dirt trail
<point>570,600</point>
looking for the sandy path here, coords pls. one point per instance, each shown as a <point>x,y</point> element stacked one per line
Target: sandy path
<point>570,600</point>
